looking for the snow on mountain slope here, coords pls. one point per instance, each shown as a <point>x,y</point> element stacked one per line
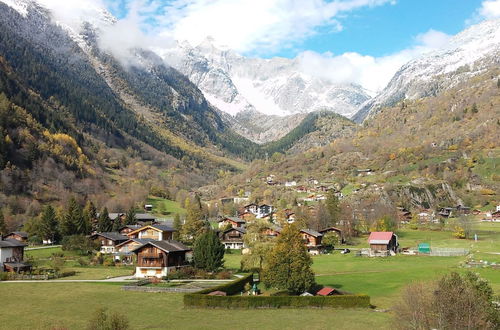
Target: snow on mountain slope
<point>276,86</point>
<point>466,54</point>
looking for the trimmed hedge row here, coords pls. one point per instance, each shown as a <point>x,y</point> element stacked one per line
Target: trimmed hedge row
<point>234,287</point>
<point>233,300</point>
<point>341,301</point>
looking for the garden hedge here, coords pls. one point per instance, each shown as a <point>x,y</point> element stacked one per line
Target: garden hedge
<point>234,300</point>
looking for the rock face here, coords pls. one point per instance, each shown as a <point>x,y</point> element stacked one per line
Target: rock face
<point>467,54</point>
<point>272,95</point>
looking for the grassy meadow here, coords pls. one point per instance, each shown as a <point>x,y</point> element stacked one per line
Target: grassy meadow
<point>70,305</point>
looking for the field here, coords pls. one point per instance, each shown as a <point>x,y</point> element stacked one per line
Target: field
<point>164,207</point>
<point>46,305</point>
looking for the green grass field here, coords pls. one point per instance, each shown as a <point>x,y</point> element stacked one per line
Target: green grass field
<point>70,305</point>
<point>164,207</point>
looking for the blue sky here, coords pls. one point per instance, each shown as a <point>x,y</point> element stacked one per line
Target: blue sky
<point>379,28</point>
<point>389,28</point>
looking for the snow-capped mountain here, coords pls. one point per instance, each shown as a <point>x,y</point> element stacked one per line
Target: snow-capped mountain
<point>276,86</point>
<point>468,53</point>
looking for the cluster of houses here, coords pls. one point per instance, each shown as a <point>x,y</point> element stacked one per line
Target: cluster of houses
<point>233,229</point>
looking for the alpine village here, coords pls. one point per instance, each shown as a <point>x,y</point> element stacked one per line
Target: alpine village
<point>249,165</point>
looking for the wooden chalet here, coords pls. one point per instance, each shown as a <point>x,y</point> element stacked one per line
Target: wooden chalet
<point>404,215</point>
<point>272,231</point>
<point>145,219</point>
<point>495,215</point>
<point>383,241</point>
<point>334,230</point>
<point>12,255</point>
<point>247,216</point>
<point>232,221</point>
<point>108,241</point>
<point>155,231</point>
<point>158,258</point>
<point>21,236</point>
<point>127,229</point>
<point>312,240</point>
<point>232,238</point>
<point>123,251</point>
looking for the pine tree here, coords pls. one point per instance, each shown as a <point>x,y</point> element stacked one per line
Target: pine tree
<point>104,223</point>
<point>3,226</point>
<point>48,224</point>
<point>208,252</point>
<point>130,217</point>
<point>194,225</point>
<point>177,227</point>
<point>90,216</point>
<point>72,222</point>
<point>117,224</point>
<point>288,265</point>
<point>333,206</point>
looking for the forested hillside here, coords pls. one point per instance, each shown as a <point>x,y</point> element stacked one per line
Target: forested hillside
<point>427,152</point>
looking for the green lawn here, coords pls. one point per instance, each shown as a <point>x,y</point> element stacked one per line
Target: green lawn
<point>71,305</point>
<point>49,305</point>
<point>164,207</point>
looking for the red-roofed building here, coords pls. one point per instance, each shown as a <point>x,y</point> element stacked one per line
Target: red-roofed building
<point>326,291</point>
<point>383,241</point>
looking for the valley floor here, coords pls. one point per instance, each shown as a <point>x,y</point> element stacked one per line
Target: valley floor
<point>71,305</point>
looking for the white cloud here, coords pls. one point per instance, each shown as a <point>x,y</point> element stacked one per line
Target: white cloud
<point>254,25</point>
<point>373,73</point>
<point>490,9</point>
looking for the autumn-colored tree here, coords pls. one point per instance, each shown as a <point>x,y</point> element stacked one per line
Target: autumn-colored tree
<point>288,265</point>
<point>194,224</point>
<point>90,216</point>
<point>258,243</point>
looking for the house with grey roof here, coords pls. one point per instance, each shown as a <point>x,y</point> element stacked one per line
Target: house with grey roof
<point>158,258</point>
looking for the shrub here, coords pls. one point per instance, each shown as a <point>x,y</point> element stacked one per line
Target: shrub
<point>342,301</point>
<point>181,274</point>
<point>102,320</point>
<point>454,302</point>
<point>83,261</point>
<point>79,243</point>
<point>223,275</point>
<point>108,262</point>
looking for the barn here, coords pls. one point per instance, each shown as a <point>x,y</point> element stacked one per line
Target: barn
<point>383,241</point>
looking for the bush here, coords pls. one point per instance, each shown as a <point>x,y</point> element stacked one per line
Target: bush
<point>102,320</point>
<point>223,275</point>
<point>181,274</point>
<point>108,262</point>
<point>80,244</point>
<point>83,261</point>
<point>342,301</point>
<point>4,276</point>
